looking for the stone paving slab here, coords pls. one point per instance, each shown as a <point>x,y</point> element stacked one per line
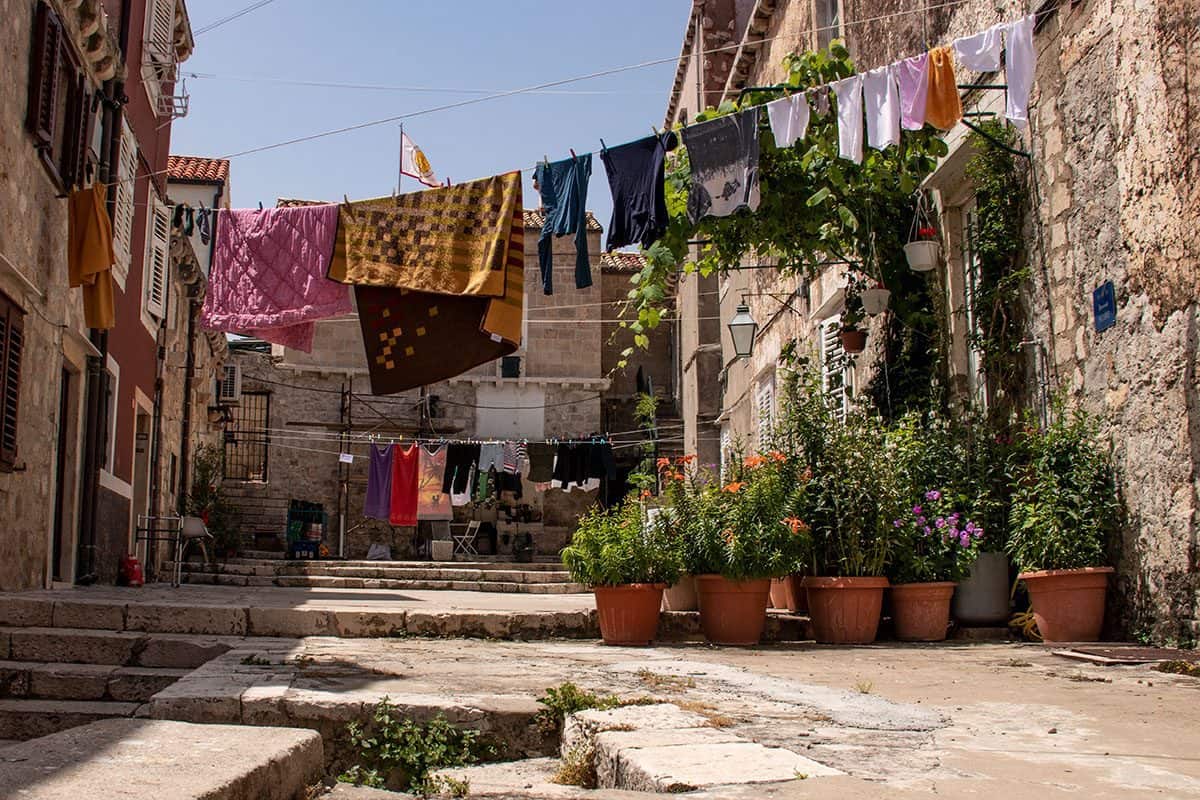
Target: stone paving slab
<point>140,758</point>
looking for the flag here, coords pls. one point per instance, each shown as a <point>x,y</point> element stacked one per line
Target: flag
<point>414,164</point>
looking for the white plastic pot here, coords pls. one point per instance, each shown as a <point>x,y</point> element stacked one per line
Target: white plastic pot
<point>922,256</point>
<point>875,301</point>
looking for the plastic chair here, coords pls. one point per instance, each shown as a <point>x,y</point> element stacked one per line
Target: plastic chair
<point>464,543</point>
<point>193,529</point>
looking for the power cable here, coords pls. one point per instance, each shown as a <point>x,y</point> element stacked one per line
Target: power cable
<point>415,89</point>
<point>231,17</point>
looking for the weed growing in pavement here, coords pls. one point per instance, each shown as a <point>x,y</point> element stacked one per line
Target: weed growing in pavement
<point>399,753</point>
<point>864,687</point>
<point>578,767</point>
<point>1180,667</point>
<point>567,698</point>
<point>666,683</point>
<point>254,660</point>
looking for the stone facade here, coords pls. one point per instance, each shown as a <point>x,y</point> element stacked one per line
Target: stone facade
<point>561,383</point>
<point>1113,197</point>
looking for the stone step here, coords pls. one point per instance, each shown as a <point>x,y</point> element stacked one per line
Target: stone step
<point>58,681</point>
<point>334,582</point>
<point>146,758</point>
<point>533,566</point>
<point>410,572</point>
<point>24,719</point>
<point>117,648</point>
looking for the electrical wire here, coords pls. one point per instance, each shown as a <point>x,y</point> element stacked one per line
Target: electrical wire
<point>231,17</point>
<point>414,89</point>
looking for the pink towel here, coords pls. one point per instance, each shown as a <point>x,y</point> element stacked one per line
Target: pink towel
<point>913,76</point>
<point>268,274</point>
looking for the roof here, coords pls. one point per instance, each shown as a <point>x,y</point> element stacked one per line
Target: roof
<point>618,261</point>
<point>534,218</point>
<point>196,169</point>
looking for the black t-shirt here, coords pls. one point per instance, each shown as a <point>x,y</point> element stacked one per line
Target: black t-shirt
<point>635,176</point>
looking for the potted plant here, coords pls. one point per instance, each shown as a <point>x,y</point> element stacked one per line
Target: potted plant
<point>736,538</point>
<point>875,298</point>
<point>1064,509</point>
<point>922,248</point>
<point>206,501</point>
<point>854,339</point>
<point>628,563</point>
<point>936,542</point>
<point>680,595</point>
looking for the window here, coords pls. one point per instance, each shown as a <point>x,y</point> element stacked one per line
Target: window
<point>835,369</point>
<point>764,404</point>
<point>110,380</point>
<point>158,257</point>
<point>158,52</point>
<point>976,378</point>
<point>248,438</point>
<point>726,451</point>
<point>59,114</point>
<point>12,342</point>
<point>828,16</point>
<point>127,162</point>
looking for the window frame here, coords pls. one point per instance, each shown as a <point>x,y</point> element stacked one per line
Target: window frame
<point>235,429</point>
<point>59,107</point>
<point>12,328</point>
<point>827,22</point>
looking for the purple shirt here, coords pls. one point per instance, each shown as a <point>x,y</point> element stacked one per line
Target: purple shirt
<point>379,483</point>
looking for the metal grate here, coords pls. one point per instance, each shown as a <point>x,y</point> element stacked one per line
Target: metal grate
<point>247,440</point>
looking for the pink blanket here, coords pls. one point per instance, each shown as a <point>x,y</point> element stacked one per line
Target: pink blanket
<point>268,274</point>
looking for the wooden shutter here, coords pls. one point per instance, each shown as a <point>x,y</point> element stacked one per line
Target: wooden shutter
<point>12,344</point>
<point>78,135</point>
<point>123,219</point>
<point>160,29</point>
<point>764,401</point>
<point>833,367</point>
<point>158,257</point>
<point>43,76</point>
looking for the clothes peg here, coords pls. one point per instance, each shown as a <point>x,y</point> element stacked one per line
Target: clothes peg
<point>603,146</point>
<point>260,208</point>
<point>572,153</point>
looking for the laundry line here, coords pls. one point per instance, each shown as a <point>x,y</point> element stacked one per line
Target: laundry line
<point>360,436</point>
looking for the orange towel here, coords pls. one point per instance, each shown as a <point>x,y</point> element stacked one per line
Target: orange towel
<point>943,107</point>
<point>90,256</point>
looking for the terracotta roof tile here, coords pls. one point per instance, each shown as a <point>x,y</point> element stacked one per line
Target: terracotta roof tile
<point>195,168</point>
<point>618,261</point>
<point>534,219</point>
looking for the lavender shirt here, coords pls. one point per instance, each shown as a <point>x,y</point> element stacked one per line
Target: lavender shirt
<point>379,483</point>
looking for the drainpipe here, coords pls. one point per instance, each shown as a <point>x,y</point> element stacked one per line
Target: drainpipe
<point>185,432</point>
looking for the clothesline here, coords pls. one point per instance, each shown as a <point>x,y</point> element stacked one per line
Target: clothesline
<point>361,437</point>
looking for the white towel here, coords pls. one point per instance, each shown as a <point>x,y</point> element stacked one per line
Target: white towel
<point>882,100</point>
<point>850,117</point>
<point>980,52</point>
<point>1020,61</point>
<point>789,119</point>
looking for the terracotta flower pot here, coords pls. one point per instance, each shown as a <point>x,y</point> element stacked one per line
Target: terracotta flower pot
<point>682,595</point>
<point>733,612</point>
<point>853,340</point>
<point>629,614</point>
<point>921,611</point>
<point>922,255</point>
<point>1068,604</point>
<point>845,610</point>
<point>786,593</point>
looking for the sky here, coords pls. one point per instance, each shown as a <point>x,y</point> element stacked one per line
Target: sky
<point>468,44</point>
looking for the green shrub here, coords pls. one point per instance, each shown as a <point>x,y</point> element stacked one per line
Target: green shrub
<point>1065,506</point>
<point>616,546</point>
<point>566,699</point>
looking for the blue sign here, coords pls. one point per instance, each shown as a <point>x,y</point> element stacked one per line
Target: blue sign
<point>1104,306</point>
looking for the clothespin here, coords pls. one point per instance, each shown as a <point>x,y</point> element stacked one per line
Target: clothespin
<point>260,208</point>
<point>572,153</point>
<point>346,198</point>
<point>655,129</point>
<point>603,146</point>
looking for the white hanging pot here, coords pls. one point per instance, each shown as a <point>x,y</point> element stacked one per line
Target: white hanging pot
<point>875,301</point>
<point>922,256</point>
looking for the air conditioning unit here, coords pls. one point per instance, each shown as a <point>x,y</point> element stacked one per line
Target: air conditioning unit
<point>229,385</point>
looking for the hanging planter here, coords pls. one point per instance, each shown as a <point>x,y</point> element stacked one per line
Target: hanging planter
<point>875,300</point>
<point>853,340</point>
<point>922,248</point>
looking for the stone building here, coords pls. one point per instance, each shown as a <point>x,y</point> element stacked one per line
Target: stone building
<point>89,98</point>
<point>1113,197</point>
<point>295,407</point>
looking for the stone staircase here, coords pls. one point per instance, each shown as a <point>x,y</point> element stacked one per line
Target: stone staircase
<point>474,576</point>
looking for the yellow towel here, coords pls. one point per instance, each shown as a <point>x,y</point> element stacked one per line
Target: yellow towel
<point>943,107</point>
<point>90,256</point>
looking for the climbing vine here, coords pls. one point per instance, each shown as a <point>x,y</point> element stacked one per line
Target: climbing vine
<point>1000,197</point>
<point>817,209</point>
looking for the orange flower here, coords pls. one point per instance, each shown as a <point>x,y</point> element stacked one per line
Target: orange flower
<point>645,493</point>
<point>664,463</point>
<point>807,476</point>
<point>754,461</point>
<point>685,459</point>
<point>777,456</point>
<point>734,487</point>
<point>678,476</point>
<point>728,536</point>
<point>796,524</point>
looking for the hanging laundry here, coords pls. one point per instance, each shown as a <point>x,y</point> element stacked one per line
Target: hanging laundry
<point>820,101</point>
<point>1020,61</point>
<point>379,483</point>
<point>882,101</point>
<point>462,496</point>
<point>601,463</point>
<point>203,224</point>
<point>980,52</point>
<point>268,274</point>
<point>943,107</point>
<point>439,278</point>
<point>510,483</point>
<point>724,157</point>
<point>541,462</point>
<point>789,119</point>
<point>912,75</point>
<point>491,456</point>
<point>406,468</point>
<point>636,179</point>
<point>460,459</point>
<point>485,480</point>
<point>512,457</point>
<point>572,464</point>
<point>432,502</point>
<point>563,186</point>
<point>90,256</point>
<point>850,117</point>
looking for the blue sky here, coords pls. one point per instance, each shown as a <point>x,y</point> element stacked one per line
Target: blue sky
<point>470,44</point>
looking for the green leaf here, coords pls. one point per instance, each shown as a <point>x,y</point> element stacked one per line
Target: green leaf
<point>848,218</point>
<point>818,197</point>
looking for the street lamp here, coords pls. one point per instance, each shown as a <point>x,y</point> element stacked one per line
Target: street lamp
<point>742,329</point>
